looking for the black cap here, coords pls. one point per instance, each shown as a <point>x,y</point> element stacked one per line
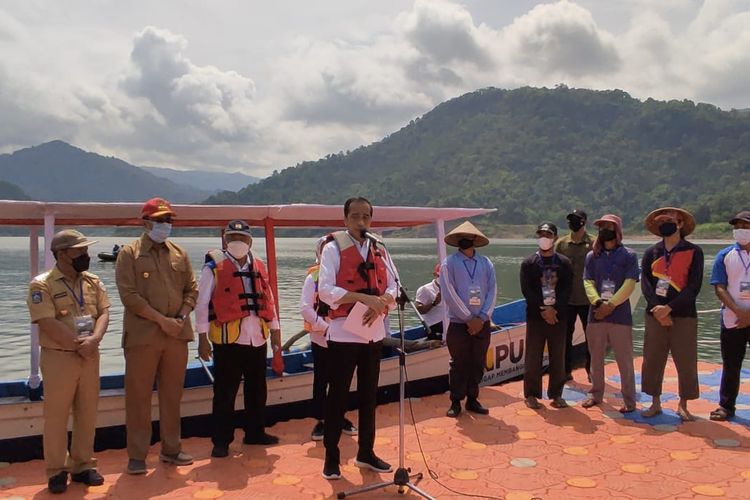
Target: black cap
<point>238,227</point>
<point>547,226</point>
<point>578,214</point>
<point>743,216</point>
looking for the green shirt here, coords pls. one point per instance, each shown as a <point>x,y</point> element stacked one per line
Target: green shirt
<point>576,252</point>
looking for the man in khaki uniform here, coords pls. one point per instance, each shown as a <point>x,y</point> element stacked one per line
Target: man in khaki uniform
<point>158,289</point>
<point>71,307</point>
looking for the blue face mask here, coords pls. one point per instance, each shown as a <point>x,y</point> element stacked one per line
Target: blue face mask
<point>160,231</point>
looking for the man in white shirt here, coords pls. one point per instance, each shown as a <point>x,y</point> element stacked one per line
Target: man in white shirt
<point>430,305</point>
<point>354,269</point>
<point>236,310</point>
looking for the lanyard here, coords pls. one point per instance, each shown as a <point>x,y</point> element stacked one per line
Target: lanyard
<point>746,266</point>
<point>473,272</point>
<point>609,263</point>
<point>79,301</point>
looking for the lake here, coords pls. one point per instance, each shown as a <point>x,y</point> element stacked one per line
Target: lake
<point>415,259</point>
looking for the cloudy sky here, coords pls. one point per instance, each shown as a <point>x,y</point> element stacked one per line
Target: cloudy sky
<point>261,85</point>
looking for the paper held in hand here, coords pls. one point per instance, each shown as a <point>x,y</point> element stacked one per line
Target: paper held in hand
<point>353,324</point>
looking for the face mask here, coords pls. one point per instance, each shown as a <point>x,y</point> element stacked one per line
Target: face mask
<point>742,236</point>
<point>160,232</point>
<point>238,249</point>
<point>81,263</point>
<point>575,224</point>
<point>465,243</point>
<point>545,243</point>
<point>667,229</point>
<point>607,234</point>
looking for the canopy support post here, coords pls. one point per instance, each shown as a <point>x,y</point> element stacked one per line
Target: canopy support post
<point>440,232</point>
<point>34,381</point>
<point>271,259</point>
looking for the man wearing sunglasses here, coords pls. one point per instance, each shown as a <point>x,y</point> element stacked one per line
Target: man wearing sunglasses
<point>158,289</point>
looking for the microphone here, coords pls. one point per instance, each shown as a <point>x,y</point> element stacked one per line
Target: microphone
<point>371,236</point>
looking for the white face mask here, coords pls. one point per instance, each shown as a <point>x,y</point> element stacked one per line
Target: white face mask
<point>160,231</point>
<point>742,236</point>
<point>238,249</point>
<point>545,243</point>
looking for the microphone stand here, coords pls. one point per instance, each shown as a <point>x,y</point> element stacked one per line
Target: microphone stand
<point>402,477</point>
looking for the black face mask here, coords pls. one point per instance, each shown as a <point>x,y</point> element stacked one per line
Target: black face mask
<point>81,263</point>
<point>667,228</point>
<point>575,224</point>
<point>465,243</point>
<point>607,235</point>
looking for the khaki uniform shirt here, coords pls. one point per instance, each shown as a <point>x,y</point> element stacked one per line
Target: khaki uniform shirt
<point>156,275</point>
<point>576,252</point>
<point>49,297</point>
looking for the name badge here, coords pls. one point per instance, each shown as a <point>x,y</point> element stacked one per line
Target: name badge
<point>662,287</point>
<point>745,290</point>
<point>475,296</point>
<point>84,325</point>
<point>608,289</point>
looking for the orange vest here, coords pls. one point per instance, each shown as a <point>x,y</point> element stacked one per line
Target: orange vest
<point>357,275</point>
<point>230,300</point>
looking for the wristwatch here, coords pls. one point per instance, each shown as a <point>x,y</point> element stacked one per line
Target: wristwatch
<point>182,317</point>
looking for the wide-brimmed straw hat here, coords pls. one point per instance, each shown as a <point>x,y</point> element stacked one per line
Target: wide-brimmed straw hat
<point>688,221</point>
<point>466,230</point>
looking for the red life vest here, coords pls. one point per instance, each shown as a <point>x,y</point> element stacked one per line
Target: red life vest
<point>357,275</point>
<point>230,300</point>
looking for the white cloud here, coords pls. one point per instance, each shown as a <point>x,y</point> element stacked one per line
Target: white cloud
<point>157,91</point>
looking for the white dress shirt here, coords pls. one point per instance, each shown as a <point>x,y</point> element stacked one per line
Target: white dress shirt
<point>251,333</point>
<point>426,295</point>
<point>307,309</point>
<point>330,262</point>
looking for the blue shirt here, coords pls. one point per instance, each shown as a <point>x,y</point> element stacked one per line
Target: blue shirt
<point>731,267</point>
<point>459,274</point>
<point>617,265</point>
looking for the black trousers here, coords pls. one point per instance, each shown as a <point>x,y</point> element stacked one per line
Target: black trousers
<point>733,345</point>
<point>366,359</point>
<point>539,332</point>
<point>320,380</point>
<point>232,363</point>
<point>575,312</point>
<point>468,355</point>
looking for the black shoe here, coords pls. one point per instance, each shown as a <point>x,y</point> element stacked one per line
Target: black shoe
<point>349,428</point>
<point>220,451</point>
<point>58,483</point>
<point>264,438</point>
<point>474,406</point>
<point>454,410</point>
<point>373,463</point>
<point>317,432</point>
<point>331,470</point>
<point>568,377</point>
<point>88,477</point>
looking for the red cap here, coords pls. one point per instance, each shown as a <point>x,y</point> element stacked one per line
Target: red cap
<point>156,207</point>
<point>437,269</point>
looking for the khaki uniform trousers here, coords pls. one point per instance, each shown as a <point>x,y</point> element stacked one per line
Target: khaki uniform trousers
<point>70,382</point>
<point>163,362</point>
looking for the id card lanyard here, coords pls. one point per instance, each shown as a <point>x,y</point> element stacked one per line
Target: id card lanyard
<point>608,286</point>
<point>549,294</point>
<point>744,283</point>
<point>662,285</point>
<point>475,292</point>
<point>78,300</point>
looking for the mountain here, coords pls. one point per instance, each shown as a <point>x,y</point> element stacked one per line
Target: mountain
<point>536,153</point>
<point>57,171</point>
<point>204,179</point>
<point>10,191</point>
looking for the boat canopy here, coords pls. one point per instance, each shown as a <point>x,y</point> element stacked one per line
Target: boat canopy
<point>33,213</point>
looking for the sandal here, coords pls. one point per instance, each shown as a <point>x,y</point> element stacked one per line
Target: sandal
<point>651,412</point>
<point>531,402</point>
<point>589,403</point>
<point>720,414</point>
<point>627,409</point>
<point>559,403</point>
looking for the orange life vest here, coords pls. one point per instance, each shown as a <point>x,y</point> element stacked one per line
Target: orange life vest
<point>230,300</point>
<point>357,275</point>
